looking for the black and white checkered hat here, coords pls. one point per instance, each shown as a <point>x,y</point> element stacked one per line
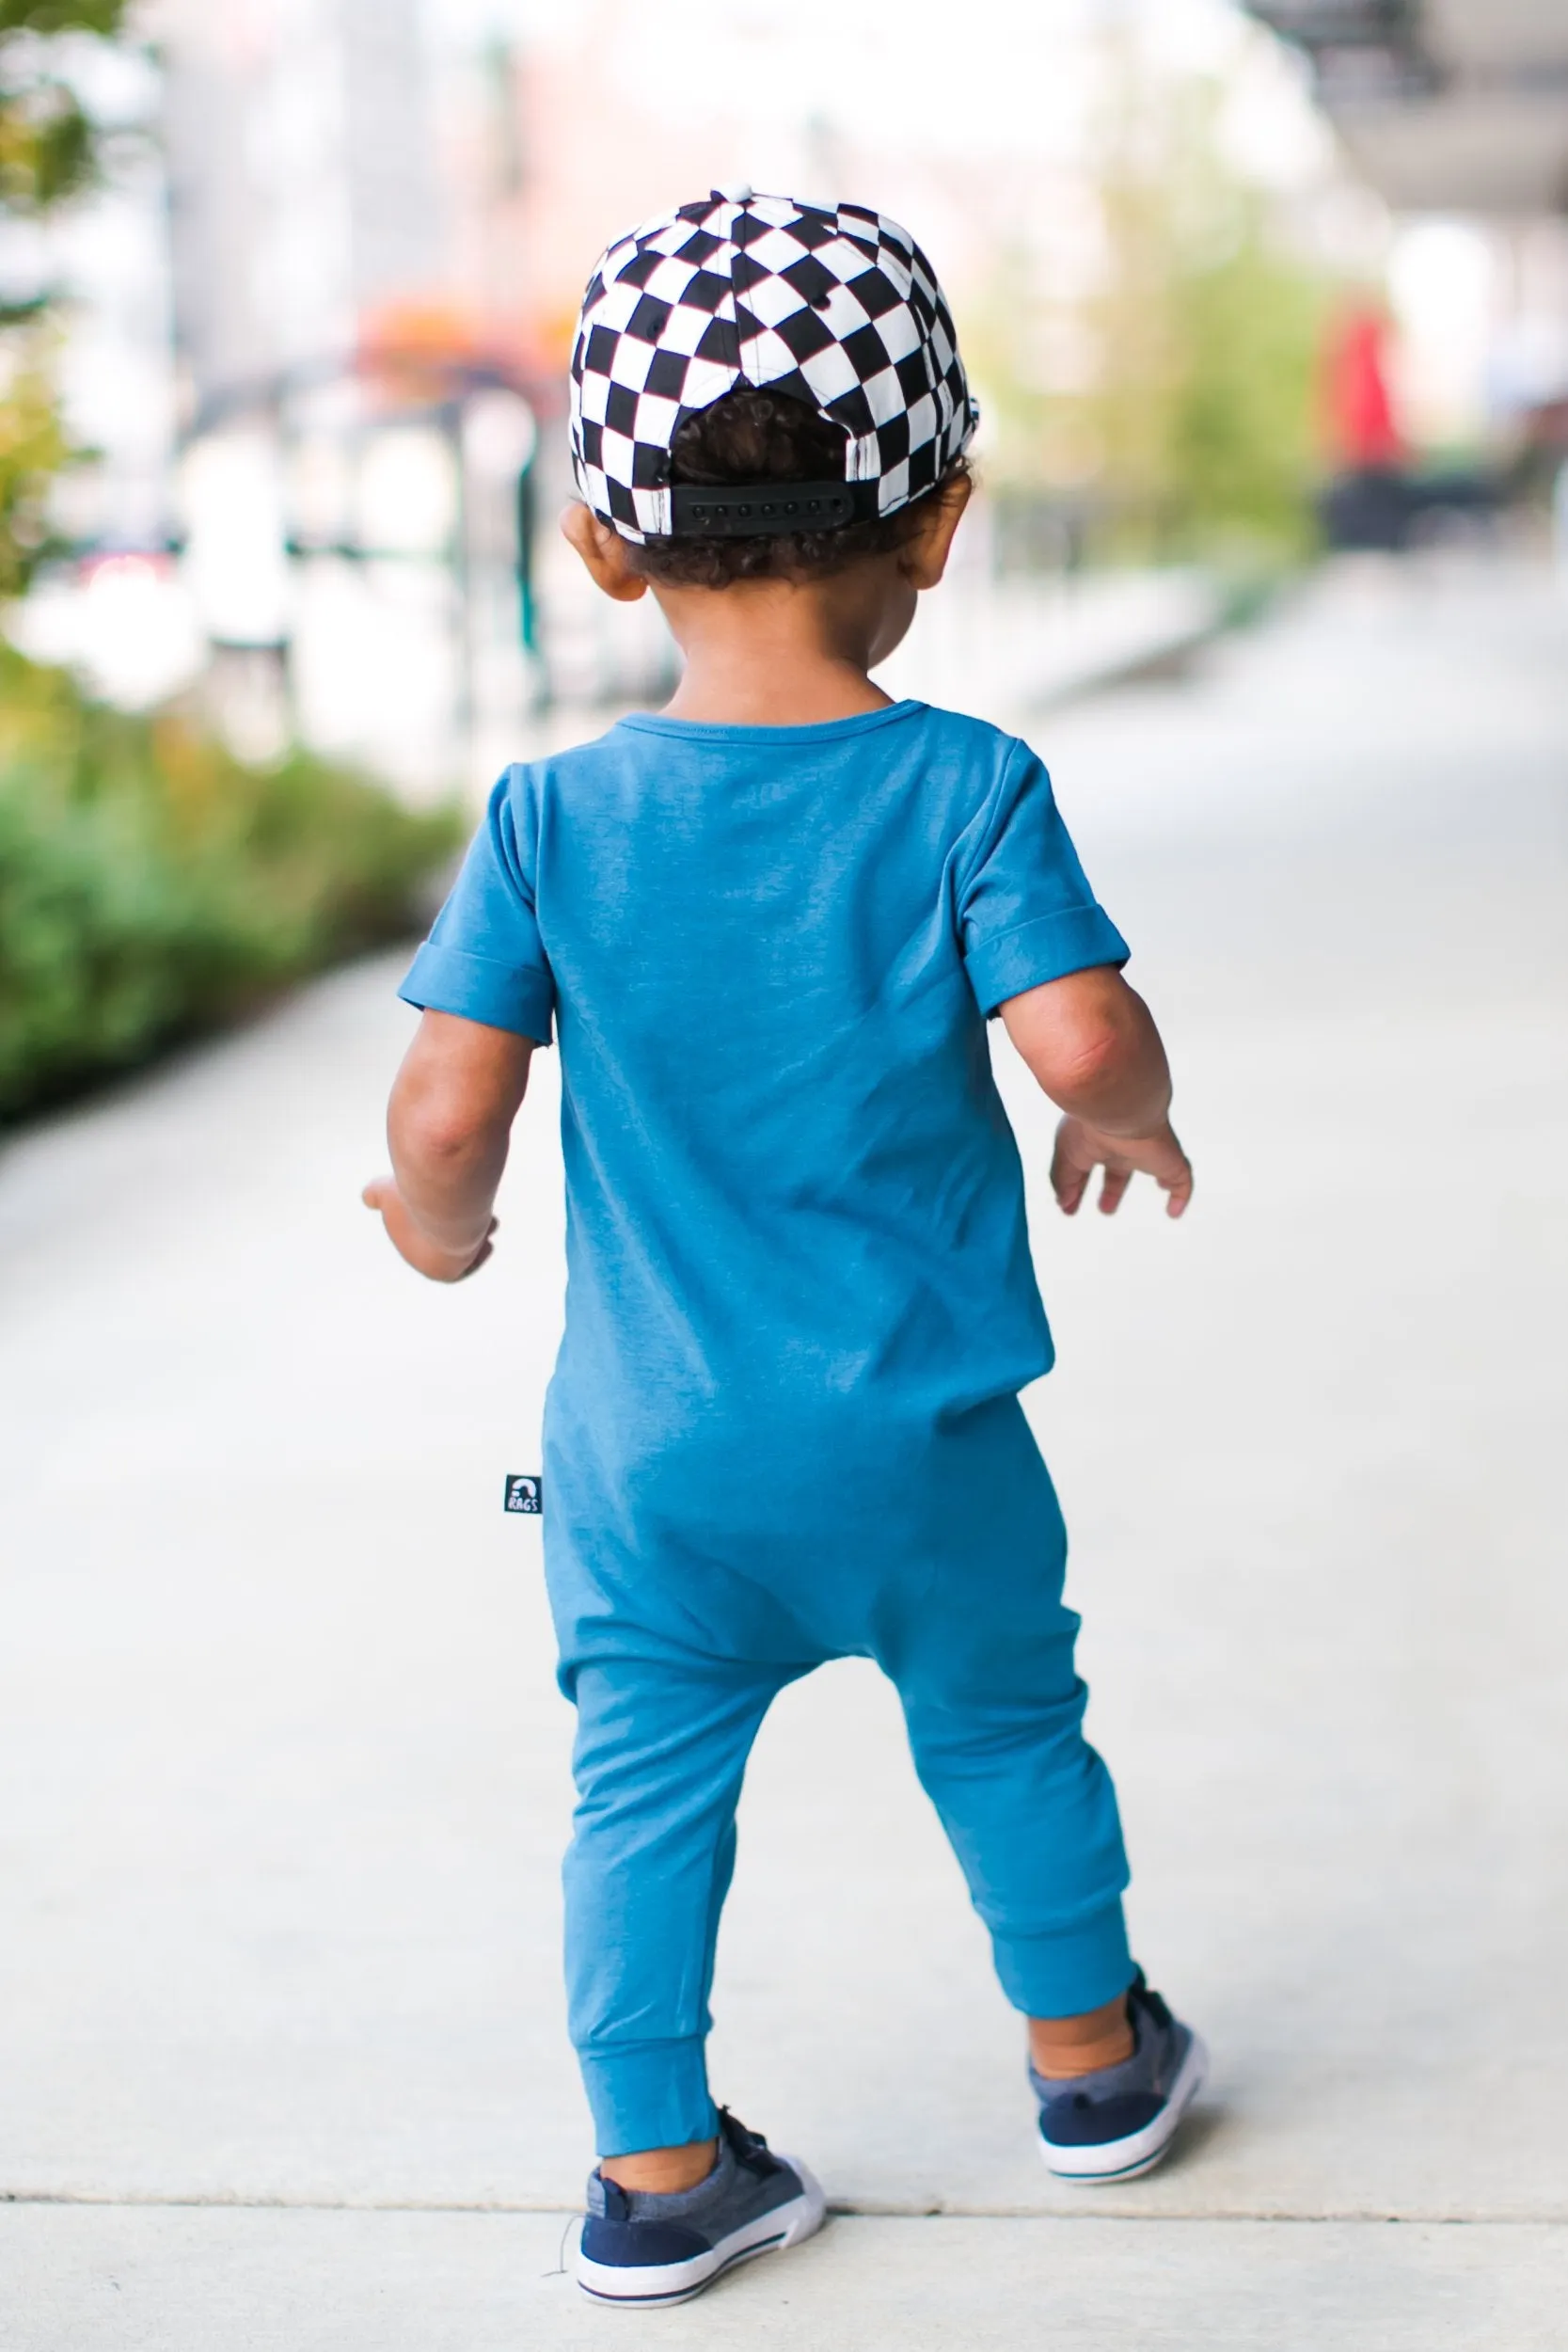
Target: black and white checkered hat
<point>832,303</point>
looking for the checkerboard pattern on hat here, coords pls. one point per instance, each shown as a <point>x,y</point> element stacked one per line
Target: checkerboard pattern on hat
<point>832,303</point>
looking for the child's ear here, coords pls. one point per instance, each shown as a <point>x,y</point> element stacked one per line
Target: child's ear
<point>604,554</point>
<point>924,559</point>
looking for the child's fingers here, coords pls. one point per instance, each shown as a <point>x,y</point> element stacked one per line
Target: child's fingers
<point>1070,1184</point>
<point>1180,1192</point>
<point>1068,1179</point>
<point>486,1251</point>
<point>1175,1181</point>
<point>1116,1184</point>
<point>374,1194</point>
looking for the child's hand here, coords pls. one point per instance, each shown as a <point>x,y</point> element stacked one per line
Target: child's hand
<point>1081,1149</point>
<point>430,1258</point>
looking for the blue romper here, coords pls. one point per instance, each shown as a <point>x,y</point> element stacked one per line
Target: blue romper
<point>783,1425</point>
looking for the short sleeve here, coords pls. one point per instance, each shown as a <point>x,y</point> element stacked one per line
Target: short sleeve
<point>1026,913</point>
<point>484,959</point>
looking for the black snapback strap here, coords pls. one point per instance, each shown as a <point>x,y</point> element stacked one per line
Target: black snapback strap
<point>760,510</point>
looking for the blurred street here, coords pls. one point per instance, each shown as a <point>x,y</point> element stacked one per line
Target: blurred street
<point>282,2055</point>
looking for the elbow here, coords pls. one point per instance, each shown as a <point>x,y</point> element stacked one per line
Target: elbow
<point>431,1131</point>
<point>1111,1075</point>
<point>443,1141</point>
<point>1093,1062</point>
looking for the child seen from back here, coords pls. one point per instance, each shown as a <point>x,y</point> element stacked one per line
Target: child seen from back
<point>768,926</point>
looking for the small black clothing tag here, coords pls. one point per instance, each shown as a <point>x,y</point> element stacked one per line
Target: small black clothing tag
<point>525,1491</point>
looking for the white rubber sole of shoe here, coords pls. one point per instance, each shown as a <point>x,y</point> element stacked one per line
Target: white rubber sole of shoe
<point>1140,2151</point>
<point>661,2283</point>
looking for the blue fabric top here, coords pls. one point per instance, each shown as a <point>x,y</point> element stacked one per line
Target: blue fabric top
<point>793,1194</point>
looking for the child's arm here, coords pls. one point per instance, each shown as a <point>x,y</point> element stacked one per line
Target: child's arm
<point>449,1123</point>
<point>1092,1044</point>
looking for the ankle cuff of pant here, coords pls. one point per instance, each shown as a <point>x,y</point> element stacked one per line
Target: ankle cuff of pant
<point>1065,1973</point>
<point>648,2094</point>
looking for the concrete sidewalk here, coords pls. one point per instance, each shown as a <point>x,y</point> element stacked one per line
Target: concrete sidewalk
<point>286,1771</point>
<point>118,2281</point>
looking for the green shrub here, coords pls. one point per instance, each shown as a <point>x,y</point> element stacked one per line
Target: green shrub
<point>152,886</point>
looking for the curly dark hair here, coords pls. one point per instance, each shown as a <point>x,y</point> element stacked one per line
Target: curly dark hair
<point>749,437</point>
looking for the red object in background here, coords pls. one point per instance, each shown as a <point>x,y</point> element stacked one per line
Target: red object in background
<point>1358,412</point>
<point>417,352</point>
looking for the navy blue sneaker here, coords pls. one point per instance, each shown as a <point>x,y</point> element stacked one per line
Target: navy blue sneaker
<point>1119,2121</point>
<point>640,2249</point>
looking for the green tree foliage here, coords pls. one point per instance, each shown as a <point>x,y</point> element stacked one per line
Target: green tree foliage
<point>33,450</point>
<point>151,886</point>
<point>46,139</point>
<point>1174,397</point>
<point>47,155</point>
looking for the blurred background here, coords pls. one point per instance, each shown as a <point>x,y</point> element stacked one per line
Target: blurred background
<point>288,289</point>
<point>1267,307</point>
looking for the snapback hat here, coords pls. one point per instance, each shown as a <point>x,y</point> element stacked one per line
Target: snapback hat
<point>832,304</point>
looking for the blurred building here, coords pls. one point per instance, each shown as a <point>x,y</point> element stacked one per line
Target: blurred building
<point>351,449</point>
<point>1447,105</point>
<point>302,181</point>
<point>1458,112</point>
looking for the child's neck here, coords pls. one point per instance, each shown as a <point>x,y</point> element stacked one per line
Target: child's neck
<point>740,694</point>
<point>769,653</point>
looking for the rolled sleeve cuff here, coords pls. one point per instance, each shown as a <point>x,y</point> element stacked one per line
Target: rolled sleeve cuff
<point>502,997</point>
<point>1047,949</point>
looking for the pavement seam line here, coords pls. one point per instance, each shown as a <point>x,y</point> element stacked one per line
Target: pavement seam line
<point>1358,2215</point>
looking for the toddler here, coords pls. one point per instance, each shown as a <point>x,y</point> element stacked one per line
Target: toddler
<point>768,926</point>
